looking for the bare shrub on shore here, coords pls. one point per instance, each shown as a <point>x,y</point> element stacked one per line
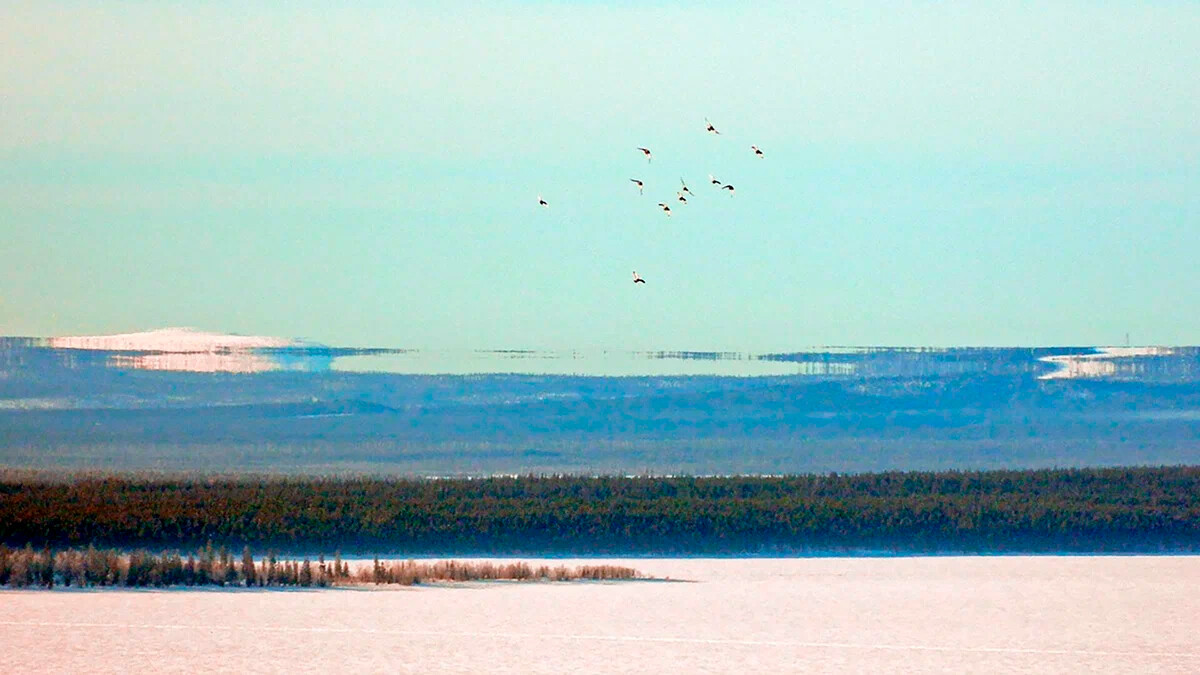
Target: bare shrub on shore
<point>27,567</point>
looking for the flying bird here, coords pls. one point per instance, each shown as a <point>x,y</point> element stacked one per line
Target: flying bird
<point>710,128</point>
<point>646,152</point>
<point>637,279</point>
<point>638,183</point>
<point>756,150</point>
<point>542,202</point>
<point>685,188</point>
<point>666,209</point>
<point>712,179</point>
<point>681,198</point>
<point>728,187</point>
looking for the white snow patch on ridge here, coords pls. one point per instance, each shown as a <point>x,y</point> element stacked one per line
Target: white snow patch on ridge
<point>184,349</point>
<point>172,341</point>
<point>1100,364</point>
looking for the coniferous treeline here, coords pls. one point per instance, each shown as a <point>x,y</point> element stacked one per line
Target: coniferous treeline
<point>1085,510</point>
<point>409,572</point>
<point>208,566</point>
<point>91,567</point>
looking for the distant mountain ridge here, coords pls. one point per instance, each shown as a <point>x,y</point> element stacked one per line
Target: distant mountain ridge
<point>243,406</point>
<point>193,350</point>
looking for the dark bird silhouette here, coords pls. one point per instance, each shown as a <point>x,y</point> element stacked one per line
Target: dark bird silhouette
<point>680,197</point>
<point>712,179</point>
<point>710,128</point>
<point>666,209</point>
<point>757,152</point>
<point>646,152</point>
<point>542,202</point>
<point>638,183</point>
<point>728,187</point>
<point>685,189</point>
<point>637,279</point>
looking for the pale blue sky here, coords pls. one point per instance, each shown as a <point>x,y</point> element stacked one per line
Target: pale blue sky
<point>941,174</point>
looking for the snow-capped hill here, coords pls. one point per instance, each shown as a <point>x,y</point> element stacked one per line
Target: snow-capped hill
<point>172,341</point>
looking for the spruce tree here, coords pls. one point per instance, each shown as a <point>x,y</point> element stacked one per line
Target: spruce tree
<point>306,576</point>
<point>5,561</point>
<point>249,578</point>
<point>47,570</point>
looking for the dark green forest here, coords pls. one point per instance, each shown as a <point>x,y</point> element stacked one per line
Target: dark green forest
<point>1111,510</point>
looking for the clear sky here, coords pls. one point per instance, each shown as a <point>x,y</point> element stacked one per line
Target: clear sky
<point>935,173</point>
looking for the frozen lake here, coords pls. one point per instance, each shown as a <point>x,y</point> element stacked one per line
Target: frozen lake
<point>974,614</point>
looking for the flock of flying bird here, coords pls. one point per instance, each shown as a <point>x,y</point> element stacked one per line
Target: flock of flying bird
<point>682,194</point>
